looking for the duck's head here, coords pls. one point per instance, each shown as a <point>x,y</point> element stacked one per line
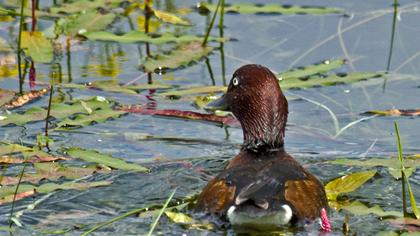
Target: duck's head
<point>256,100</point>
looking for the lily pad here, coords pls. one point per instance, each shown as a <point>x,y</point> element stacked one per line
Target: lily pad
<point>37,46</point>
<point>181,56</point>
<point>347,183</point>
<point>358,208</point>
<point>249,8</point>
<point>96,157</point>
<point>142,37</point>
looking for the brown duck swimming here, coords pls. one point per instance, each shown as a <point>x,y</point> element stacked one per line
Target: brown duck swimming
<point>263,186</point>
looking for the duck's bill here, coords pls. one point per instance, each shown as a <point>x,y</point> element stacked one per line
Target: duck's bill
<point>219,104</point>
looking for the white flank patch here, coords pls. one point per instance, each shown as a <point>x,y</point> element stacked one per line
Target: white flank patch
<point>280,218</point>
<point>288,213</point>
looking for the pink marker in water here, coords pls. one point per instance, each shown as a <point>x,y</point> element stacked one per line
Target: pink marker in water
<point>325,223</point>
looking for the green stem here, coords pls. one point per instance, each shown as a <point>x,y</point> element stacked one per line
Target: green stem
<point>19,49</point>
<point>400,158</point>
<point>48,115</point>
<point>211,24</point>
<point>222,45</point>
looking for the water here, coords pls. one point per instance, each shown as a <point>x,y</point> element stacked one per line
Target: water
<point>193,151</point>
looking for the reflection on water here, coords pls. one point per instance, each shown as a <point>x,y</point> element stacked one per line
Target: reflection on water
<point>185,154</point>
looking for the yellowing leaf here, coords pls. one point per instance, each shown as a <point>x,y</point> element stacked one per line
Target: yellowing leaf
<point>153,24</point>
<point>170,18</point>
<point>347,183</point>
<point>178,217</point>
<point>37,46</point>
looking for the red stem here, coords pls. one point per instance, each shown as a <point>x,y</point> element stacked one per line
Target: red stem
<point>33,15</point>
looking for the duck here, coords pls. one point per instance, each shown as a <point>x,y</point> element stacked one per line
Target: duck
<point>262,187</point>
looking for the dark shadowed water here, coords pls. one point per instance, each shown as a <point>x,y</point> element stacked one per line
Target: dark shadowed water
<point>193,151</point>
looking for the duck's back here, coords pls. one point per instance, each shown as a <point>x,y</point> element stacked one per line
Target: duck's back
<point>258,185</point>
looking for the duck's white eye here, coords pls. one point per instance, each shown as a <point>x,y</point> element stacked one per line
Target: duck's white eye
<point>235,81</point>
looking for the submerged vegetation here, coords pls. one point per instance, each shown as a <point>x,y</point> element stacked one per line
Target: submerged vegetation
<point>55,117</point>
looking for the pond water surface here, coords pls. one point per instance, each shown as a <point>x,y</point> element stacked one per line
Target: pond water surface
<point>184,154</point>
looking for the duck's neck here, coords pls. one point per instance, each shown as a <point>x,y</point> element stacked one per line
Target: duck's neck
<point>265,132</point>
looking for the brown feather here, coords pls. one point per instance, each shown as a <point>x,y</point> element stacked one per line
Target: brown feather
<point>216,197</point>
<point>307,196</point>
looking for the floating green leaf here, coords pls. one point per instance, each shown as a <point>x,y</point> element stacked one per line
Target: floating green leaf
<point>37,46</point>
<point>170,18</point>
<point>96,157</point>
<point>58,110</point>
<point>7,192</point>
<point>327,80</point>
<point>393,164</point>
<point>306,71</point>
<point>142,37</point>
<point>98,116</point>
<point>7,149</point>
<point>52,171</point>
<point>249,8</point>
<point>114,86</point>
<point>181,56</point>
<point>194,90</point>
<point>347,183</point>
<point>85,21</point>
<point>83,5</point>
<point>358,208</point>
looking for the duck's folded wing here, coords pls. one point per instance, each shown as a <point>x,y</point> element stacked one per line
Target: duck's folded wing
<point>307,197</point>
<point>216,197</point>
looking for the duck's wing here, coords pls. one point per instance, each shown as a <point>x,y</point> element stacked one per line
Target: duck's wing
<point>307,196</point>
<point>216,197</point>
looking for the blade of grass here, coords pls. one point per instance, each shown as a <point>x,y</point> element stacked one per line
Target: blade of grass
<point>211,24</point>
<point>391,46</point>
<point>405,180</point>
<point>152,228</point>
<point>353,123</point>
<point>129,214</point>
<point>332,114</point>
<point>113,220</point>
<point>400,158</point>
